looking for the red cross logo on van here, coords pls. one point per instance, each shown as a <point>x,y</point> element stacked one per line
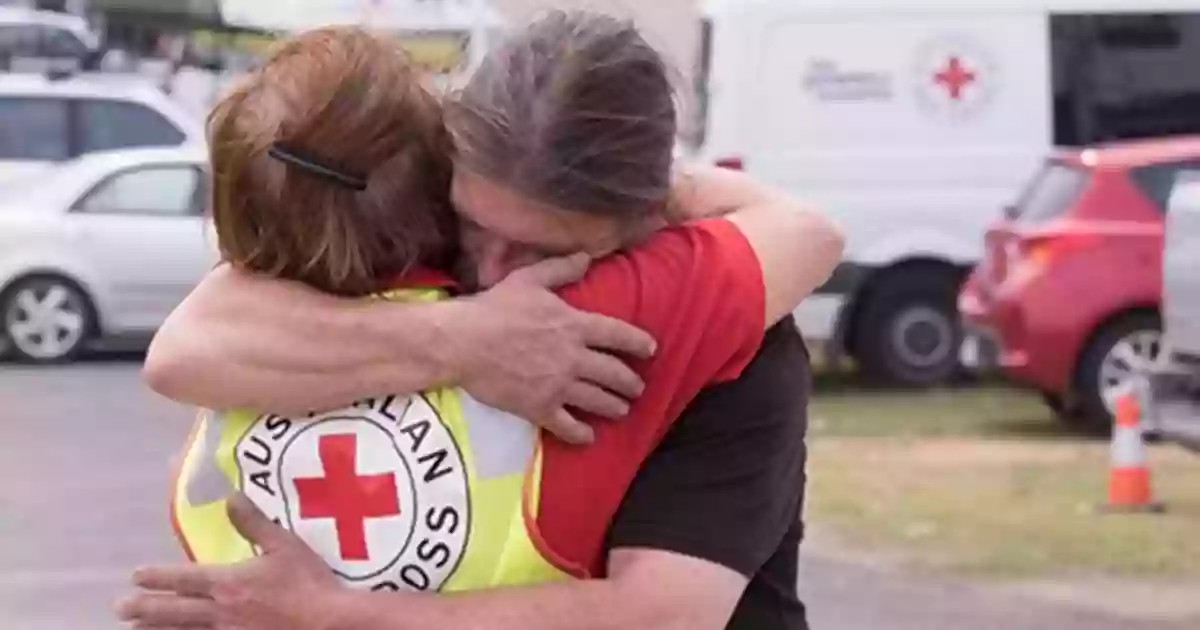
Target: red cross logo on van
<point>955,77</point>
<point>345,496</point>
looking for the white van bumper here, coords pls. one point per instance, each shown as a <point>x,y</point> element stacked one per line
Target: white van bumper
<point>817,317</point>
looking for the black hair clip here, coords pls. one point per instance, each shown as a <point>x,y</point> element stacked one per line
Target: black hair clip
<point>314,167</point>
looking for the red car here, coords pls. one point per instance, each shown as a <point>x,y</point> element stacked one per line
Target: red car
<point>1066,298</point>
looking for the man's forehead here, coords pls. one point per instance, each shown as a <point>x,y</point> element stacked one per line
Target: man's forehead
<point>504,214</point>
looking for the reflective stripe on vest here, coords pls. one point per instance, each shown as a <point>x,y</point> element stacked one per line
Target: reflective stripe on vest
<point>433,492</point>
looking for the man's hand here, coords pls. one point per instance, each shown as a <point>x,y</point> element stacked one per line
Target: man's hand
<point>531,354</point>
<point>288,586</point>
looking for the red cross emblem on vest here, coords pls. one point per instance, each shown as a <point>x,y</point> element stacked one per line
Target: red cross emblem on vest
<point>346,496</point>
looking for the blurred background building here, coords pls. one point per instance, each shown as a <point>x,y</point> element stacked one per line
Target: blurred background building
<point>187,41</point>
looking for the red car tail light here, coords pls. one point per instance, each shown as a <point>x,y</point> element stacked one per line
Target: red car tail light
<point>1042,250</point>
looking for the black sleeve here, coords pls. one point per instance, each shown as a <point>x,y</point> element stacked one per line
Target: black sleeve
<point>727,483</point>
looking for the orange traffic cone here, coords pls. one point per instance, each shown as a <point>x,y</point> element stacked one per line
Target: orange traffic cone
<point>1129,476</point>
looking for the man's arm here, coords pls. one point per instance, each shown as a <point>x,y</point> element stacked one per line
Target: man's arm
<point>240,340</point>
<point>645,589</point>
<point>289,586</point>
<point>245,341</point>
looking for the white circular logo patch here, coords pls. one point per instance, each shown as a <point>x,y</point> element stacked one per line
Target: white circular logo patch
<point>954,77</point>
<point>378,489</point>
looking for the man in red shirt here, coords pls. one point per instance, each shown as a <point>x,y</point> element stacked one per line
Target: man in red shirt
<point>505,229</point>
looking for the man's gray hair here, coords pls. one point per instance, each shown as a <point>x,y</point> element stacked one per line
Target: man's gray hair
<point>577,110</point>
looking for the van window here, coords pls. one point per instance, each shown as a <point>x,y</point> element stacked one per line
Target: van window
<point>1051,193</point>
<point>698,132</point>
<point>1124,76</point>
<point>33,129</point>
<point>106,125</point>
<point>1157,181</point>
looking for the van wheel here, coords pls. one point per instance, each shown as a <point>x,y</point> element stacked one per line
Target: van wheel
<point>909,333</point>
<point>1109,364</point>
<point>45,319</point>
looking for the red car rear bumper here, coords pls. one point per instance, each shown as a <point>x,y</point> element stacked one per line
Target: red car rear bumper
<point>1032,335</point>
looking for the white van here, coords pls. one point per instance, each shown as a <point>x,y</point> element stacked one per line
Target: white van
<point>915,122</point>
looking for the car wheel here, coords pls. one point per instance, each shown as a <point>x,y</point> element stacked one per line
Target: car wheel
<point>1110,363</point>
<point>46,319</point>
<point>909,332</point>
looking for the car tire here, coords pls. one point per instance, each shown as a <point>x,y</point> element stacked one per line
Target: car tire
<point>909,334</point>
<point>68,315</point>
<point>1091,378</point>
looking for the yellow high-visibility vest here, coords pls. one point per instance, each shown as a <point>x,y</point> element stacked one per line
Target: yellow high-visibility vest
<point>430,492</point>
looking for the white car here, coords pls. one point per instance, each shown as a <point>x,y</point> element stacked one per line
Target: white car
<point>45,121</point>
<point>106,245</point>
<point>46,40</point>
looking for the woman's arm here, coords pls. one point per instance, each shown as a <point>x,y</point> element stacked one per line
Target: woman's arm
<point>797,247</point>
<point>246,341</point>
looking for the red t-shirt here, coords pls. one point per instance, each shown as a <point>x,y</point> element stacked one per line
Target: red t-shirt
<point>698,289</point>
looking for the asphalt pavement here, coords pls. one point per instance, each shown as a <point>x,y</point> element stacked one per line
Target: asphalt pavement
<point>84,452</point>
